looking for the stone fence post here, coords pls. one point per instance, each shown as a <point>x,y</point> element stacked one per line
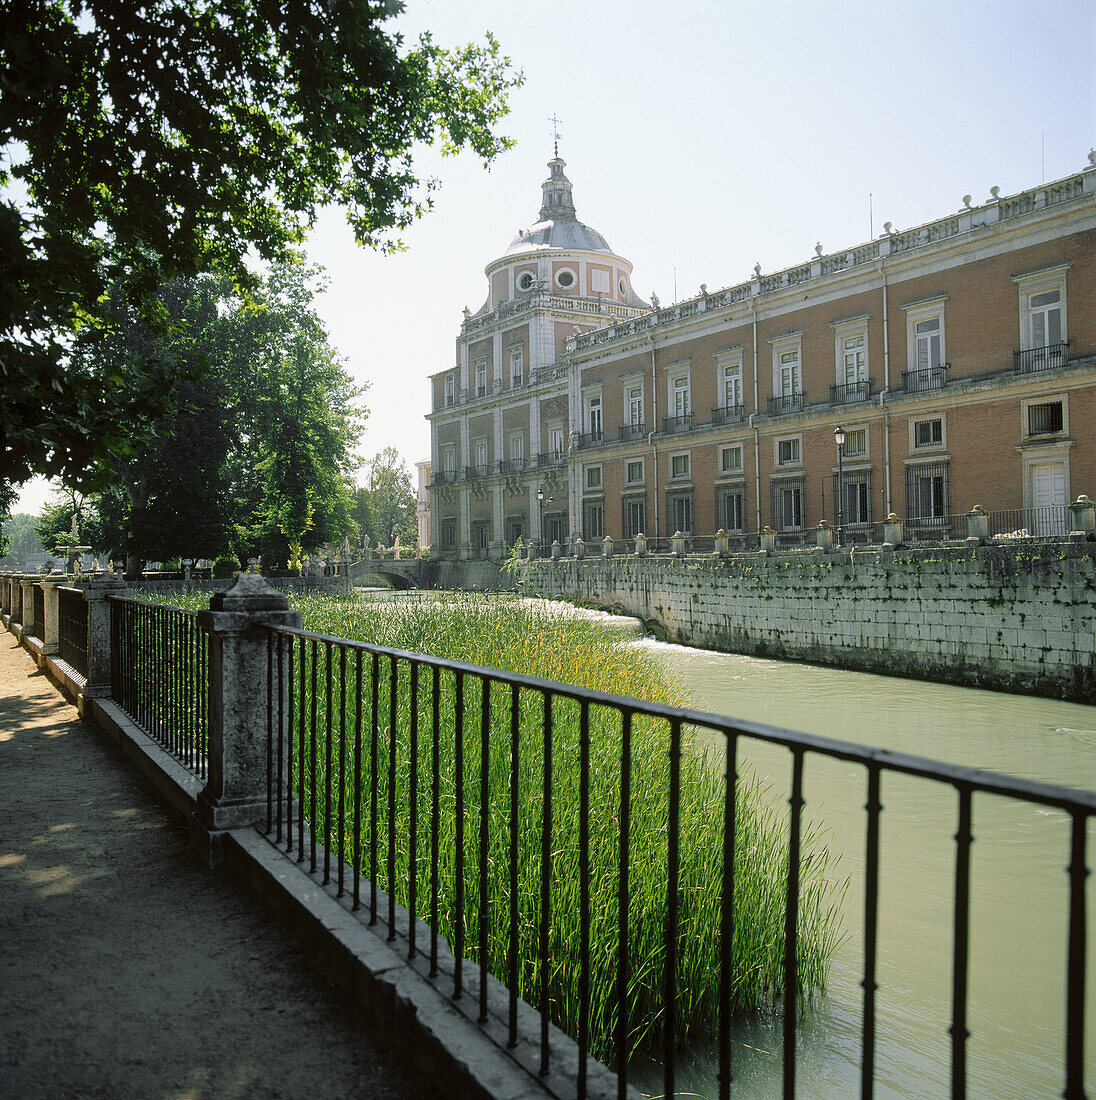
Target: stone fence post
<point>607,546</point>
<point>722,542</point>
<point>892,531</point>
<point>556,549</point>
<point>98,589</point>
<point>580,548</point>
<point>824,534</point>
<point>641,545</point>
<point>977,524</point>
<point>235,793</point>
<point>677,544</point>
<point>26,584</point>
<point>5,594</point>
<point>1084,516</point>
<point>768,540</point>
<point>50,604</point>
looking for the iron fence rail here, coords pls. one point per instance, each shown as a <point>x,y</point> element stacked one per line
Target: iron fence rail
<point>38,623</point>
<point>159,675</point>
<point>358,753</point>
<point>72,629</point>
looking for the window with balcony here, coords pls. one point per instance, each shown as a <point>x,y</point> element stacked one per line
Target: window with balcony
<point>555,440</point>
<point>517,366</point>
<point>480,451</point>
<point>732,384</point>
<point>634,398</point>
<point>925,346</point>
<point>517,448</point>
<point>449,462</point>
<point>593,416</point>
<point>929,338</point>
<point>679,395</point>
<point>1043,339</point>
<point>481,377</point>
<point>450,390</point>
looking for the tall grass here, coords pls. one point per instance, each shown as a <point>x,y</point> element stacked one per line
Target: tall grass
<point>506,633</point>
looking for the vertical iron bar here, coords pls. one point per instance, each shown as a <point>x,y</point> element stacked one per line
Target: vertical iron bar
<point>342,770</point>
<point>484,814</point>
<point>791,924</point>
<point>726,932</point>
<point>435,815</point>
<point>958,1029</point>
<point>1075,966</point>
<point>313,822</point>
<point>871,914</point>
<point>374,682</point>
<point>286,641</point>
<point>276,641</point>
<point>413,812</point>
<point>624,975</point>
<point>458,915</point>
<point>269,733</point>
<point>583,895</point>
<point>301,730</point>
<point>515,727</point>
<point>393,700</point>
<point>545,889</point>
<point>358,778</point>
<point>328,703</point>
<point>672,869</point>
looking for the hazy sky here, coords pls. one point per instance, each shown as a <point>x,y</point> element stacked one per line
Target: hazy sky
<point>702,138</point>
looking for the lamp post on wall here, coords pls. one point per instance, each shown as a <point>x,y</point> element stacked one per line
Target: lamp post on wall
<point>543,501</point>
<point>839,439</point>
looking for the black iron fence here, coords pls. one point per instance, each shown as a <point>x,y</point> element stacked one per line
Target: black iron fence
<point>38,621</point>
<point>72,629</point>
<point>159,675</point>
<point>501,810</point>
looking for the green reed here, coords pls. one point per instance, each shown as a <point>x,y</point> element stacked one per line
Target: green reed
<point>506,633</point>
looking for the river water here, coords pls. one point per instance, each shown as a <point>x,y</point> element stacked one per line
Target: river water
<point>1019,887</point>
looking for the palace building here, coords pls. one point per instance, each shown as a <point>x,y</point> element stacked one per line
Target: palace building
<point>957,360</point>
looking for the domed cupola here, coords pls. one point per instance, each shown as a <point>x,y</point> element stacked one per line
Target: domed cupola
<point>558,226</point>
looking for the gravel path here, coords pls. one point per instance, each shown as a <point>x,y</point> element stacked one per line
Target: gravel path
<point>127,971</point>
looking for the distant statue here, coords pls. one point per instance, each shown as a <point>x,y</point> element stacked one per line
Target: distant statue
<point>74,531</point>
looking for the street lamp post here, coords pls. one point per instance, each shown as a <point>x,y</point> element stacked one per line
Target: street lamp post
<point>543,501</point>
<point>839,439</point>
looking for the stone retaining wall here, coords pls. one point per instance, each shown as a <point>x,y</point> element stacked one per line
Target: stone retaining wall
<point>1017,616</point>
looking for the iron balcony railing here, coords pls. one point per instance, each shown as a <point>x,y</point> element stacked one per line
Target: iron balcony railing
<point>159,675</point>
<point>590,439</point>
<point>729,414</point>
<point>551,458</point>
<point>672,424</point>
<point>512,466</point>
<point>850,392</point>
<point>443,477</point>
<point>1036,359</point>
<point>410,767</point>
<point>472,472</point>
<point>629,432</point>
<point>788,403</point>
<point>72,629</point>
<point>928,378</point>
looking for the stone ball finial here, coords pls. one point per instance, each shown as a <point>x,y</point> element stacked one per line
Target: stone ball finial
<point>888,228</point>
<point>994,193</point>
<point>757,270</point>
<point>966,201</point>
<point>704,289</point>
<point>1092,158</point>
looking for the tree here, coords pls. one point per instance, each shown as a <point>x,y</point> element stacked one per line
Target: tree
<point>152,140</point>
<point>385,507</point>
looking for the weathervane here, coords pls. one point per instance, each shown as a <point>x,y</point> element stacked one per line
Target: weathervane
<point>555,132</point>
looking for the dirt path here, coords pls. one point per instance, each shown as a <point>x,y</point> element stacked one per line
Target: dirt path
<point>125,970</point>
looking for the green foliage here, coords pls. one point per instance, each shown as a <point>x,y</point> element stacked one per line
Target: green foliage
<point>384,508</point>
<point>126,172</point>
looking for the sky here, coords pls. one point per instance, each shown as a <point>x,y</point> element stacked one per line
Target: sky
<point>702,138</point>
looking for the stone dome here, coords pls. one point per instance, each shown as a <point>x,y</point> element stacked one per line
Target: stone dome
<point>557,225</point>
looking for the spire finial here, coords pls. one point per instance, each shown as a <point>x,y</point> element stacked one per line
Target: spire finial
<point>555,132</point>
